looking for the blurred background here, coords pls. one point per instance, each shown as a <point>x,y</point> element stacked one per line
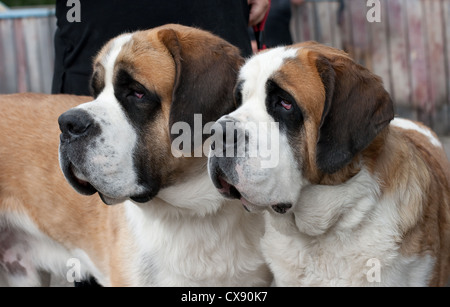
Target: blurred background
<point>13,3</point>
<point>409,48</point>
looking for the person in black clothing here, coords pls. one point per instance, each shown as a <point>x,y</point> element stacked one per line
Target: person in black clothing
<point>277,30</point>
<point>76,43</point>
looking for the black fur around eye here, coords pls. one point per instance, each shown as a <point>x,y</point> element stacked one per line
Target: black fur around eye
<point>139,103</point>
<point>283,107</point>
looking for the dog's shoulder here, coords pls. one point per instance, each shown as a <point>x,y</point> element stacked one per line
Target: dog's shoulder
<point>424,179</point>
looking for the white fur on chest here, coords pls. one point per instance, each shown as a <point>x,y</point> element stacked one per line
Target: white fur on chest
<point>191,246</point>
<point>342,236</point>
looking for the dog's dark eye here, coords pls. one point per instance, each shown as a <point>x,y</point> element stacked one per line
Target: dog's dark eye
<point>285,104</point>
<point>138,95</point>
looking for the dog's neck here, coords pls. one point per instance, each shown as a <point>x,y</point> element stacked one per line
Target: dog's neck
<point>193,193</point>
<point>201,224</point>
<point>321,204</point>
<point>320,207</point>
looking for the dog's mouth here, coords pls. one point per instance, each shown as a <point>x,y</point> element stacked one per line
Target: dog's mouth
<point>224,186</point>
<point>230,191</point>
<point>227,189</point>
<point>81,184</point>
<point>78,181</point>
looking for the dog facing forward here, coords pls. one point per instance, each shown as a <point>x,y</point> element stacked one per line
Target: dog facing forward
<point>358,198</point>
<point>166,224</point>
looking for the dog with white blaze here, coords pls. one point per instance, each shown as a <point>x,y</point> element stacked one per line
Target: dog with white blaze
<point>358,198</point>
<point>159,221</point>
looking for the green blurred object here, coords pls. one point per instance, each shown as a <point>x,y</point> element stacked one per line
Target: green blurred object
<point>13,3</point>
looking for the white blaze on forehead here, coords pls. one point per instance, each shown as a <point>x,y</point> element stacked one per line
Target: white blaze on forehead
<point>410,125</point>
<point>261,67</point>
<point>109,60</point>
<point>255,74</point>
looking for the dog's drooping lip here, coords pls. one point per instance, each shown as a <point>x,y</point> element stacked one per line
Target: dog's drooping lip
<point>80,184</point>
<point>142,199</point>
<point>227,189</point>
<point>80,179</point>
<point>110,201</point>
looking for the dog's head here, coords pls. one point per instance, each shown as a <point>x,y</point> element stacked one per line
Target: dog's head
<point>327,109</point>
<point>143,83</point>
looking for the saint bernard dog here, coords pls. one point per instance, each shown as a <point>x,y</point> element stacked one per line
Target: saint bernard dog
<point>357,198</point>
<point>166,224</point>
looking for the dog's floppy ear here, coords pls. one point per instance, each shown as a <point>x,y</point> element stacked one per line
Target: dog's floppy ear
<point>206,73</point>
<point>357,108</point>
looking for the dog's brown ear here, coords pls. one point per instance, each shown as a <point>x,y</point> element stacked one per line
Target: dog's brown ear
<point>357,108</point>
<point>206,73</point>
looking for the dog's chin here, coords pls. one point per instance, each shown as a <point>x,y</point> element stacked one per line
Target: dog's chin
<point>280,208</point>
<point>111,201</point>
<point>228,190</point>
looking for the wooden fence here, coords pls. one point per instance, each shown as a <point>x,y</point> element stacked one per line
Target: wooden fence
<point>409,48</point>
<point>26,50</point>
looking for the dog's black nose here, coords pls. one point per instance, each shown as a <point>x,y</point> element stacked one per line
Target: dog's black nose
<point>75,123</point>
